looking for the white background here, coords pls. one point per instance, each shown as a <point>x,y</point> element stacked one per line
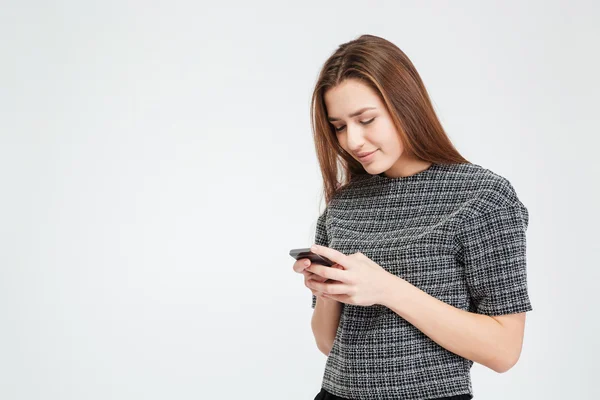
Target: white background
<point>157,165</point>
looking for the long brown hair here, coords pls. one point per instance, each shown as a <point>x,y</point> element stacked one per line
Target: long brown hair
<point>385,68</point>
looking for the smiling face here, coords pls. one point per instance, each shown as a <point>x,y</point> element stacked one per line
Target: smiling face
<point>363,124</point>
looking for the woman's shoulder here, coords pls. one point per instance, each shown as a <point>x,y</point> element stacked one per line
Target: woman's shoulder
<point>486,189</point>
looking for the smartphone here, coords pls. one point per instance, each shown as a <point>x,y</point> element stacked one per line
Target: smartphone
<point>313,257</point>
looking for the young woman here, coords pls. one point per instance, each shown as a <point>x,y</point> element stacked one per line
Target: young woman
<point>430,272</point>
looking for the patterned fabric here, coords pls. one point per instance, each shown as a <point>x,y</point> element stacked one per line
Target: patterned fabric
<point>457,232</point>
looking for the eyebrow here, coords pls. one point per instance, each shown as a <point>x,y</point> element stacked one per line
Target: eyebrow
<point>354,114</point>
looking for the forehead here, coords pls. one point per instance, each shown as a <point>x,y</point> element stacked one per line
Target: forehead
<point>348,97</point>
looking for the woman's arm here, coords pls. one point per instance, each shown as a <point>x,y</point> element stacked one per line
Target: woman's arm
<point>495,342</point>
<point>324,323</point>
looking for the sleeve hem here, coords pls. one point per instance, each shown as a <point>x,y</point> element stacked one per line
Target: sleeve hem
<point>506,310</point>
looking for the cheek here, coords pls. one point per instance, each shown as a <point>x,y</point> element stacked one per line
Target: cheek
<point>387,136</point>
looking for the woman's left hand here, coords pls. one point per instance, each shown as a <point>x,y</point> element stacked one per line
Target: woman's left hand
<point>362,282</point>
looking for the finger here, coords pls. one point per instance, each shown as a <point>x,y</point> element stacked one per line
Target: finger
<point>301,264</point>
<point>313,277</point>
<point>336,297</point>
<point>332,254</point>
<point>329,288</point>
<point>308,275</point>
<point>329,273</point>
<point>308,284</point>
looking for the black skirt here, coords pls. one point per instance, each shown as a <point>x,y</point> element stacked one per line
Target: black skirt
<point>325,395</point>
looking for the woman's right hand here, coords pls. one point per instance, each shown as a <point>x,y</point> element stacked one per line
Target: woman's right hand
<point>300,267</point>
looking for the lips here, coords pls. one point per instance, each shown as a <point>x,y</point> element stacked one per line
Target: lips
<point>364,155</point>
<point>360,155</point>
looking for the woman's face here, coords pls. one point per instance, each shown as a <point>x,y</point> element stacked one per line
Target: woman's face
<point>371,130</point>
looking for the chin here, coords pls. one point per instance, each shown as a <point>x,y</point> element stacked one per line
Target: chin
<point>374,171</point>
<point>372,168</point>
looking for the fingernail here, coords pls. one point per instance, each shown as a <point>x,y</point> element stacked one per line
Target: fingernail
<point>306,262</point>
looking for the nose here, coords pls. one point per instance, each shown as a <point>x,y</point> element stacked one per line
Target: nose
<point>354,137</point>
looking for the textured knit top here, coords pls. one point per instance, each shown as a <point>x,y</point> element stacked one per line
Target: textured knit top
<point>457,232</point>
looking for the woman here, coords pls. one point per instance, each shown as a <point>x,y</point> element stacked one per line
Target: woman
<point>429,249</point>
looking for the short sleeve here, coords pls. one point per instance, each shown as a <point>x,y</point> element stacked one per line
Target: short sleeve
<point>493,251</point>
<point>321,239</point>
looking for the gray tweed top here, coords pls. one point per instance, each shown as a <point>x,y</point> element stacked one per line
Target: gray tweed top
<point>457,232</point>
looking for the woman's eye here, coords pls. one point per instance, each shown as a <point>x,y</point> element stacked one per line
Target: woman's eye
<point>364,123</point>
<point>367,122</point>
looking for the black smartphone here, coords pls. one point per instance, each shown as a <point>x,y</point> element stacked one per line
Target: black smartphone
<point>313,257</point>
